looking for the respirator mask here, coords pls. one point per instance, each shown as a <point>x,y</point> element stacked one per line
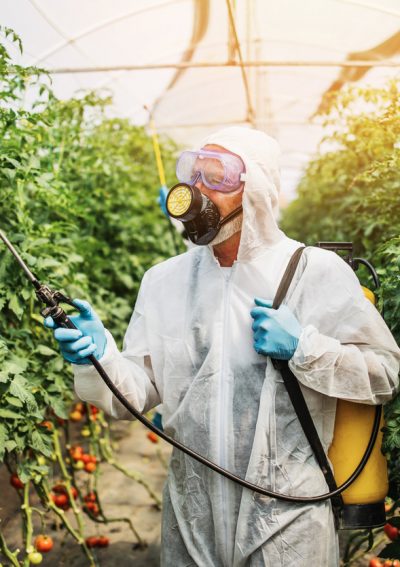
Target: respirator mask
<point>222,172</point>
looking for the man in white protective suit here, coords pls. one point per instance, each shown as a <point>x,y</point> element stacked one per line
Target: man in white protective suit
<point>200,341</point>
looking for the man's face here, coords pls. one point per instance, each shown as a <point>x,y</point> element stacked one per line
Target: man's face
<point>225,202</point>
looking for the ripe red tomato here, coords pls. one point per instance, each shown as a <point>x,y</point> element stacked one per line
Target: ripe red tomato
<point>85,458</point>
<point>391,531</point>
<point>103,541</point>
<point>93,508</point>
<point>59,489</point>
<point>90,497</point>
<point>92,458</point>
<point>90,467</point>
<point>153,437</point>
<point>16,482</point>
<point>61,500</point>
<point>94,409</point>
<point>375,562</point>
<point>43,543</point>
<point>91,541</point>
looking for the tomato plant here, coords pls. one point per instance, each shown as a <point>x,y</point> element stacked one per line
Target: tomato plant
<point>78,199</point>
<point>350,192</point>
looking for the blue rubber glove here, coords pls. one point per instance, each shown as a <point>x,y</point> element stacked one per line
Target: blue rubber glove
<point>276,331</point>
<point>162,199</point>
<point>157,421</point>
<point>77,344</point>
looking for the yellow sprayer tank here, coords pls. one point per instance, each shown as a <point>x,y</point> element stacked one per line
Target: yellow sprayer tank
<point>353,425</point>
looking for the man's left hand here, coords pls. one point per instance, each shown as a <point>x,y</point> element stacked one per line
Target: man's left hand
<point>276,331</point>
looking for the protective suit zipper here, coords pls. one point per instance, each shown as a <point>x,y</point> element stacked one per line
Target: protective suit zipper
<point>223,391</point>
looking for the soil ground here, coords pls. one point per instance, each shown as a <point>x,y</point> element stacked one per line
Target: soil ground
<point>120,496</point>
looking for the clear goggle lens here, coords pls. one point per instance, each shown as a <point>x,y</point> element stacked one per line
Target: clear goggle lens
<point>220,171</point>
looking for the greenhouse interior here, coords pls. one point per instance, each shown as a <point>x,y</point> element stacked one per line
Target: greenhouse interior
<point>167,169</point>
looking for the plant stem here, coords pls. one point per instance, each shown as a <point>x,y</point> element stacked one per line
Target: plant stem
<point>11,556</point>
<point>76,511</point>
<point>27,511</point>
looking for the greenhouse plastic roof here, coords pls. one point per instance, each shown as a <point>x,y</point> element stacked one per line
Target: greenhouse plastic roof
<point>133,44</point>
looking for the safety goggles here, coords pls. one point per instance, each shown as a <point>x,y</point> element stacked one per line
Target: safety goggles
<point>220,171</point>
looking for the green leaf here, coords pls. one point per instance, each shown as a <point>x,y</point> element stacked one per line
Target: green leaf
<point>10,445</point>
<point>394,521</point>
<point>16,402</point>
<point>390,551</point>
<point>19,387</point>
<point>46,351</point>
<point>3,439</point>
<point>40,442</point>
<point>9,414</point>
<point>60,408</point>
<point>16,365</point>
<point>15,306</point>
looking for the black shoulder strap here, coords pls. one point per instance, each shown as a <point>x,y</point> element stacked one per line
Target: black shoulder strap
<point>296,395</point>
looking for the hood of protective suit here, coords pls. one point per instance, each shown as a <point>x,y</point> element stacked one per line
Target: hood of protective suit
<point>260,154</point>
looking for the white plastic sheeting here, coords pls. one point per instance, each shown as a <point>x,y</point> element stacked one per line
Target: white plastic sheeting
<point>189,103</point>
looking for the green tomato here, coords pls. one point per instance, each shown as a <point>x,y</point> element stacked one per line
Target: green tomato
<point>35,558</point>
<point>85,432</point>
<point>41,460</point>
<point>79,465</point>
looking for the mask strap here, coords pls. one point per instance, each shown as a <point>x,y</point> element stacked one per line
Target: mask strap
<point>231,216</point>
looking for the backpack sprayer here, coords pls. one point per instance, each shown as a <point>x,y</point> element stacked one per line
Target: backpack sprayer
<point>52,300</point>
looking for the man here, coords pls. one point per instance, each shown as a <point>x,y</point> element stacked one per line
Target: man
<point>200,341</point>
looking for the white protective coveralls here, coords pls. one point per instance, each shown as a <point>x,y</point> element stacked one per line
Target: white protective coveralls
<point>189,345</point>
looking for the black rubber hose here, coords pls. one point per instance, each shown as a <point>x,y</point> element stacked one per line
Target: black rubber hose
<point>228,474</point>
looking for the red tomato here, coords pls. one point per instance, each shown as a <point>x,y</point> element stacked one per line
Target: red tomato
<point>391,531</point>
<point>43,543</point>
<point>60,500</point>
<point>396,563</point>
<point>91,541</point>
<point>375,562</point>
<point>59,489</point>
<point>153,437</point>
<point>92,459</point>
<point>80,407</point>
<point>16,482</point>
<point>90,467</point>
<point>74,492</point>
<point>90,497</point>
<point>103,541</point>
<point>85,458</point>
<point>77,456</point>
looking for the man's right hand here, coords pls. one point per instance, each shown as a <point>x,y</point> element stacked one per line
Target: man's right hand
<point>89,337</point>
